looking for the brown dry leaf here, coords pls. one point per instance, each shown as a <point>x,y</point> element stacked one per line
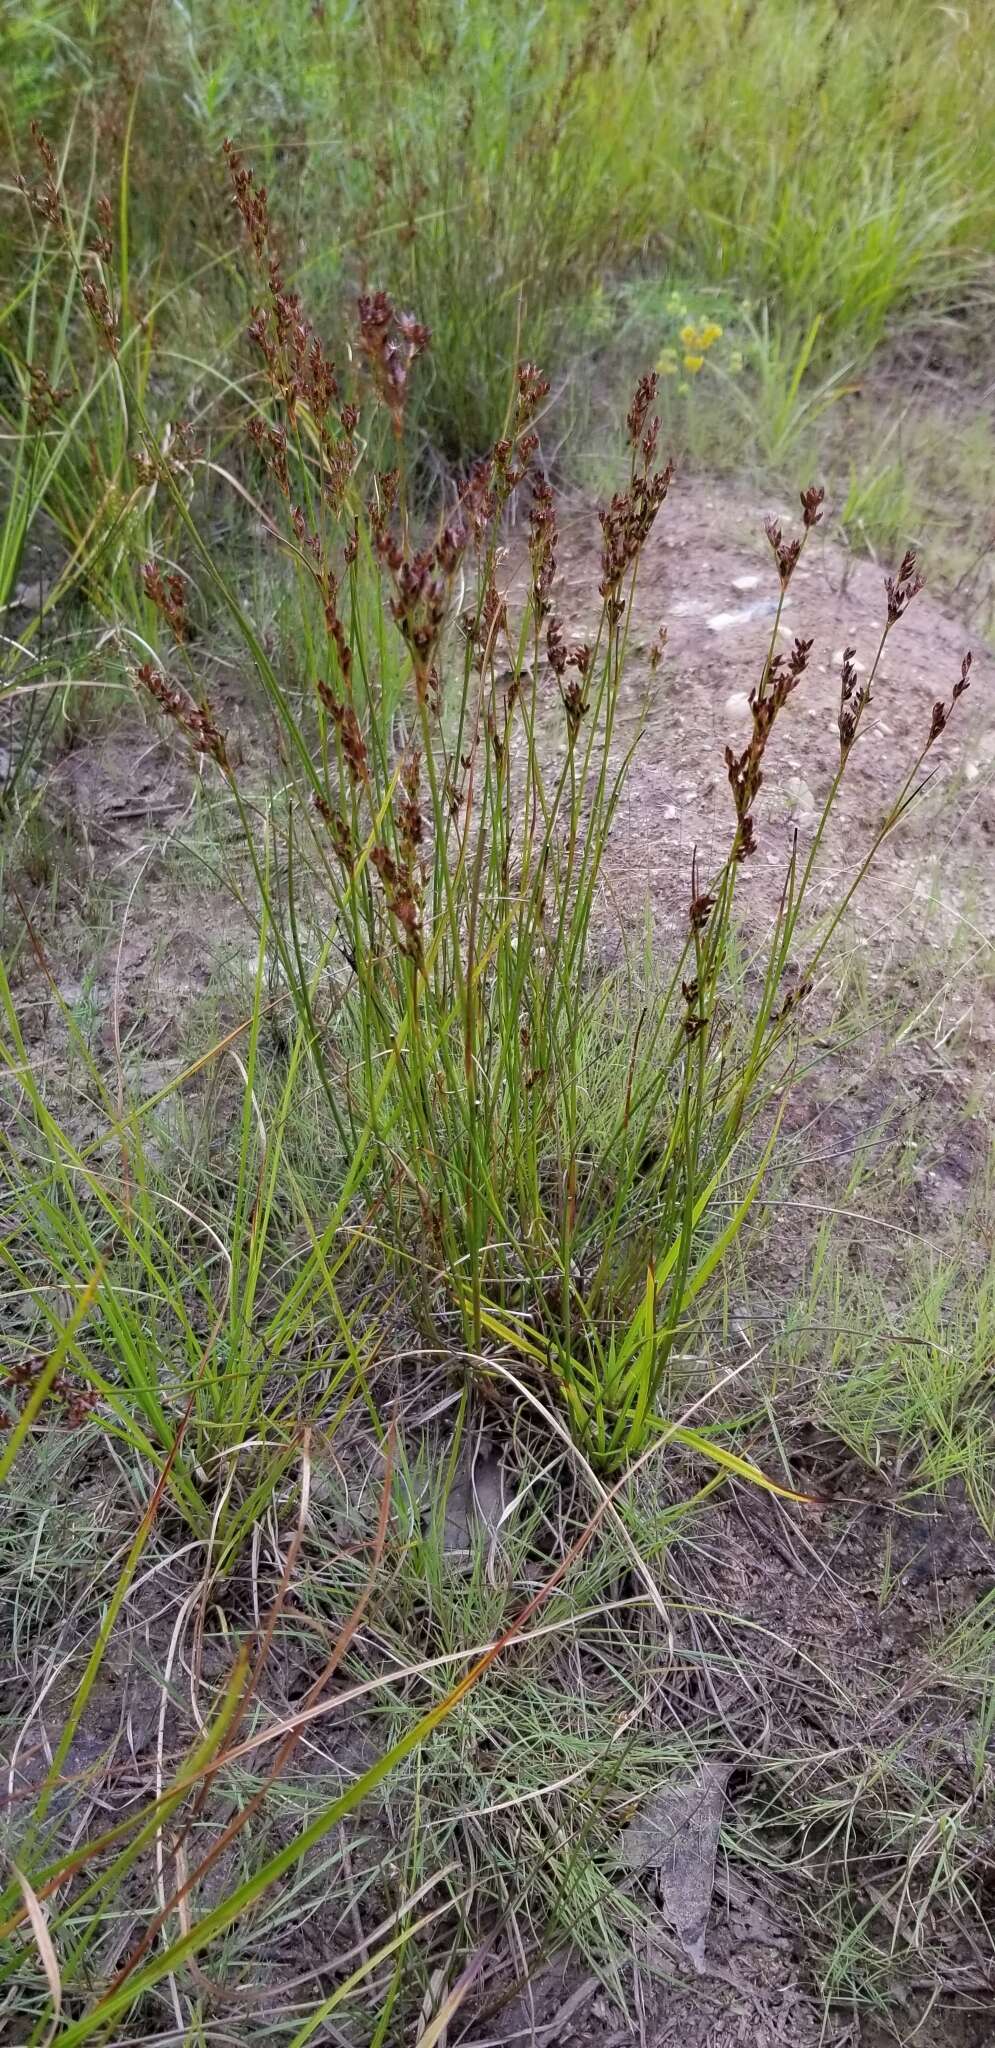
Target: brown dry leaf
<point>675,1833</point>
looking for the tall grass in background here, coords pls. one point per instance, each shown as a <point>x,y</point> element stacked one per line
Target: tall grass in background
<point>496,165</point>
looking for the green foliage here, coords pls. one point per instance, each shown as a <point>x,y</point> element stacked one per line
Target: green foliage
<point>492,167</point>
<point>461,1136</point>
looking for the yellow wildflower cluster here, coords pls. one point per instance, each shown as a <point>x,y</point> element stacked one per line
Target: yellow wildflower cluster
<point>685,356</point>
<point>696,342</point>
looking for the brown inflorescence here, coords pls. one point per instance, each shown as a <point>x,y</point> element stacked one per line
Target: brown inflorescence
<point>483,627</point>
<point>644,432</point>
<point>78,1402</point>
<point>350,734</point>
<point>782,674</point>
<point>543,538</point>
<point>902,588</point>
<point>561,658</point>
<point>101,244</point>
<point>626,525</point>
<point>941,710</point>
<point>338,829</point>
<point>422,583</point>
<point>853,697</point>
<point>196,720</point>
<point>402,900</point>
<point>45,398</point>
<point>786,552</point>
<point>101,311</point>
<point>298,371</point>
<point>391,343</point>
<point>168,594</point>
<point>45,198</point>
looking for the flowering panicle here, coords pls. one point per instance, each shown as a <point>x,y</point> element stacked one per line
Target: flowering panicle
<point>786,552</point>
<point>272,445</point>
<point>700,908</point>
<point>511,457</point>
<point>350,733</point>
<point>543,539</point>
<point>101,311</point>
<point>196,720</point>
<point>410,824</point>
<point>626,525</point>
<point>401,902</point>
<point>532,388</point>
<point>794,997</point>
<point>483,627</point>
<point>941,710</point>
<point>46,201</point>
<point>45,198</point>
<point>250,199</point>
<point>300,374</point>
<point>422,584</point>
<point>391,343</point>
<point>168,594</point>
<point>644,432</point>
<point>168,461</point>
<point>101,244</point>
<point>901,589</point>
<point>478,498</point>
<point>561,658</point>
<point>339,830</point>
<point>782,674</point>
<point>78,1402</point>
<point>853,697</point>
<point>45,398</point>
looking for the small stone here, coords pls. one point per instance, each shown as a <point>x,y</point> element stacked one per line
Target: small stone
<point>720,622</point>
<point>800,799</point>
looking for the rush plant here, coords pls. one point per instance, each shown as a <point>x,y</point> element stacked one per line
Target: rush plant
<point>549,1166</point>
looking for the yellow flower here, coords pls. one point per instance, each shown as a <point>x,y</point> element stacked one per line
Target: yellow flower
<point>689,336</point>
<point>693,364</point>
<point>712,332</point>
<point>667,364</point>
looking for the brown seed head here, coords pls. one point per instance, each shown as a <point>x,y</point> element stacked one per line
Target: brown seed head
<point>638,412</point>
<point>391,342</point>
<point>902,588</point>
<point>786,552</point>
<point>168,594</point>
<point>942,711</point>
<point>196,720</point>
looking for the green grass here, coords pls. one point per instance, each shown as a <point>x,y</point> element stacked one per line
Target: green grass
<point>419,1188</point>
<point>494,168</point>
